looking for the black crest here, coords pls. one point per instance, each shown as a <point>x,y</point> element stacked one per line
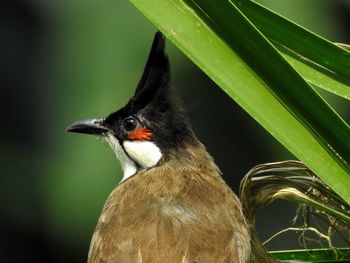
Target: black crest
<point>156,75</point>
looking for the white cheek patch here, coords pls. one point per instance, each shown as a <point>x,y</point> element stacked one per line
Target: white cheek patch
<point>128,166</point>
<point>145,153</point>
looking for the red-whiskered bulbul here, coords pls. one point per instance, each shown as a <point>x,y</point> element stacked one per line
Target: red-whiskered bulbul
<point>172,204</point>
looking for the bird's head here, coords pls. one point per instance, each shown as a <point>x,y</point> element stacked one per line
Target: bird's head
<point>151,125</point>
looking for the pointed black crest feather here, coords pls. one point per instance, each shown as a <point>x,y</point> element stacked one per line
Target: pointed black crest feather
<point>156,75</point>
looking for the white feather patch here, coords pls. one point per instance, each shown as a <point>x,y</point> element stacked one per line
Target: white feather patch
<point>145,153</point>
<point>128,166</point>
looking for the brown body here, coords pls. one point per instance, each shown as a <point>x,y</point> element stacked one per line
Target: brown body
<point>178,211</point>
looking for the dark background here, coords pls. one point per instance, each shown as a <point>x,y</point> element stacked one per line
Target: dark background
<point>63,61</point>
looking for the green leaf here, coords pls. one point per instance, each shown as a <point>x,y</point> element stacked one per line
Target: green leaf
<point>225,45</point>
<point>314,255</point>
<point>296,38</point>
<point>317,76</point>
<point>320,62</point>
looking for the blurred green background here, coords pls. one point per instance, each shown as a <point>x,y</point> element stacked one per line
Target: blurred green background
<point>63,61</point>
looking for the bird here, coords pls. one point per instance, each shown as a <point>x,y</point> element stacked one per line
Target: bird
<point>172,204</point>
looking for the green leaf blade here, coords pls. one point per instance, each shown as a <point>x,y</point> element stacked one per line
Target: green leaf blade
<point>298,39</point>
<point>313,75</point>
<point>314,255</point>
<point>280,78</point>
<point>198,40</point>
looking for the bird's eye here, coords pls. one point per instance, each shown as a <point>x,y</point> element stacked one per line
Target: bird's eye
<point>129,124</point>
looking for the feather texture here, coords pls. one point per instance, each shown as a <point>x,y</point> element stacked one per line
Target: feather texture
<point>178,211</point>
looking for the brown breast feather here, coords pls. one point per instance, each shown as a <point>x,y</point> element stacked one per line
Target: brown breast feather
<point>172,213</point>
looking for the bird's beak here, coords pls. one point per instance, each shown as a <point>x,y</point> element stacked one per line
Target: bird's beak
<point>95,126</point>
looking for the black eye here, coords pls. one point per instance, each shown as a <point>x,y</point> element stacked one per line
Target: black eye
<point>129,124</point>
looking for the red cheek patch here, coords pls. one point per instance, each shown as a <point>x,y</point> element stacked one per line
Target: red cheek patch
<point>140,134</point>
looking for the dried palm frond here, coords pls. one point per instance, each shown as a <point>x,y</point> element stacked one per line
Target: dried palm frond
<point>293,181</point>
